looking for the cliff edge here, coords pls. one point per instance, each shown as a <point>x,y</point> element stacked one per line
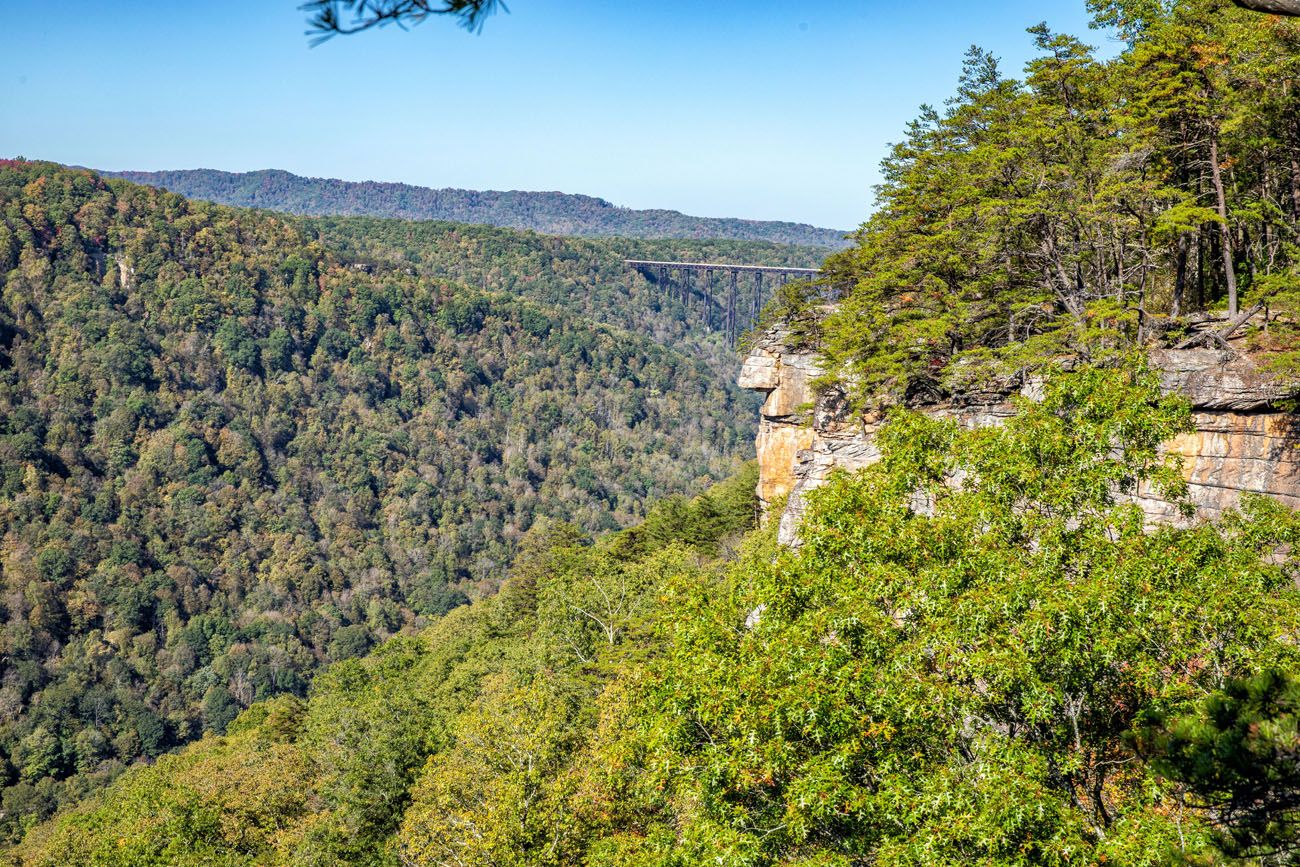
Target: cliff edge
<point>1244,439</point>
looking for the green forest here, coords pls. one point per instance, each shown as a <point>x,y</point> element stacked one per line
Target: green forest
<point>1091,205</point>
<point>228,458</point>
<point>551,213</point>
<point>349,540</point>
<point>1022,675</point>
<point>585,275</point>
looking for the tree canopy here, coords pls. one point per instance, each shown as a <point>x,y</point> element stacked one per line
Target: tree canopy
<point>959,665</point>
<point>1089,206</point>
<point>229,457</point>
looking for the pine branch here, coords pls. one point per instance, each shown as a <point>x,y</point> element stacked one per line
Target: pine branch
<point>326,17</point>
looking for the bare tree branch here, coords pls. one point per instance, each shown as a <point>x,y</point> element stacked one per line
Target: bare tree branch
<point>326,18</point>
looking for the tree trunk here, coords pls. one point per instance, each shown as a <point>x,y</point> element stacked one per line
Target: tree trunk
<point>1225,233</point>
<point>1180,275</point>
<point>1295,186</point>
<point>1248,249</point>
<point>1267,192</point>
<point>1200,268</point>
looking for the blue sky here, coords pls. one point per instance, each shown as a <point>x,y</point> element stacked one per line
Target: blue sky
<point>728,108</point>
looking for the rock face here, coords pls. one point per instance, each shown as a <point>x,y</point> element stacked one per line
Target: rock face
<point>785,376</point>
<point>1243,440</point>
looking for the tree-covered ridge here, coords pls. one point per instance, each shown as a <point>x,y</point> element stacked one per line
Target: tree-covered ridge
<point>1091,204</point>
<point>962,664</point>
<point>226,458</point>
<point>586,275</point>
<point>549,212</point>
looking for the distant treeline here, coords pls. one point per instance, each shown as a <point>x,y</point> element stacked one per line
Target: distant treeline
<point>550,212</point>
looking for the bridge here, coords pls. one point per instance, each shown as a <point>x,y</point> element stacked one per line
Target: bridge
<point>730,305</point>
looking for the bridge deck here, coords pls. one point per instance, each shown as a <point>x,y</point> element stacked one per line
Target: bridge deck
<point>721,266</point>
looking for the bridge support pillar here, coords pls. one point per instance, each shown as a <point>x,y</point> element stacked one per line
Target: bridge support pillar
<point>708,299</point>
<point>731,307</point>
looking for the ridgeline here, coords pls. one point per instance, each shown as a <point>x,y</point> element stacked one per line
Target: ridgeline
<point>551,213</point>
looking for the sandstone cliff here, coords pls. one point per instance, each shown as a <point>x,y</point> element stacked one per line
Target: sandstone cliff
<point>1243,439</point>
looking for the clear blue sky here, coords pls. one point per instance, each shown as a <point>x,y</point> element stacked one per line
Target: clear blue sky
<point>747,108</point>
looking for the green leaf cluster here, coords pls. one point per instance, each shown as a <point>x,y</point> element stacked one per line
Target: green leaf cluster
<point>947,669</point>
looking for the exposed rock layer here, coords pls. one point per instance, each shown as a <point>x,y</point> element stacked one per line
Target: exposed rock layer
<point>1243,440</point>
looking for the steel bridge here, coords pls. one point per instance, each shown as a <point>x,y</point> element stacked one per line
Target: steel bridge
<point>729,305</point>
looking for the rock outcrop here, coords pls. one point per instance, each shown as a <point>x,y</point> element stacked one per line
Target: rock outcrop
<point>1244,440</point>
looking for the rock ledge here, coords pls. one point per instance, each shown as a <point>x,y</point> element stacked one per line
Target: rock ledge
<point>1244,440</point>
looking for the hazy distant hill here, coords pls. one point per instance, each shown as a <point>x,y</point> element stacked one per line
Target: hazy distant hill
<point>552,213</point>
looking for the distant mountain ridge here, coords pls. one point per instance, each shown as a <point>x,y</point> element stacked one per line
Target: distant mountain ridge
<point>552,213</point>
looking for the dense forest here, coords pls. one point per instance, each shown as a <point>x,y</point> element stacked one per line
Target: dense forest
<point>1019,674</point>
<point>550,213</point>
<point>1093,204</point>
<point>227,458</point>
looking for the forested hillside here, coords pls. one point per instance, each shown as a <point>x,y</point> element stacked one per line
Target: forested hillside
<point>586,275</point>
<point>226,459</point>
<point>1019,674</point>
<point>548,212</point>
<point>488,710</point>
